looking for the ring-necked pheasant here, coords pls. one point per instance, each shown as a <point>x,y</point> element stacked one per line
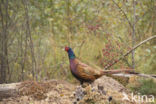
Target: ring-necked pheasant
<point>83,72</point>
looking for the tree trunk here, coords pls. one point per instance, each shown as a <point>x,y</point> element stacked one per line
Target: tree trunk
<point>28,33</point>
<point>4,66</point>
<point>133,36</point>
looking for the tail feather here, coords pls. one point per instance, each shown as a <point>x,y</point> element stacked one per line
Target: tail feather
<point>105,72</point>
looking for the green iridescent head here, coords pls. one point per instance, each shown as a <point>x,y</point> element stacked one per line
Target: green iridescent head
<point>71,54</point>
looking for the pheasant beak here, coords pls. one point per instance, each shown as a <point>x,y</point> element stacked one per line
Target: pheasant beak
<point>66,49</point>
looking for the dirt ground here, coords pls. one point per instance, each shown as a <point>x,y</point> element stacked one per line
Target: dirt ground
<point>103,91</point>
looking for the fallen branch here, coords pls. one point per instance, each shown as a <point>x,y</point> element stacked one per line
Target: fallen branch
<point>130,75</point>
<point>8,90</point>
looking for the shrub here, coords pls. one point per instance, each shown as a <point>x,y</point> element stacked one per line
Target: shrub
<point>144,86</point>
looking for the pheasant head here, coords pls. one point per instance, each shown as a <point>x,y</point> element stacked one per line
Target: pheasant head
<point>70,52</point>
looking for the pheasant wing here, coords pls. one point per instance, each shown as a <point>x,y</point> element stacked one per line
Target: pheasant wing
<point>86,72</point>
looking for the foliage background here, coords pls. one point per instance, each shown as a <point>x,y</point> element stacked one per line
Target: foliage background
<point>35,32</point>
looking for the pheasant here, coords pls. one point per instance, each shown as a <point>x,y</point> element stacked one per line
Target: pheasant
<point>84,72</point>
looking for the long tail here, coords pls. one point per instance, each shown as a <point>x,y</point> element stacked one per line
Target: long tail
<point>130,71</point>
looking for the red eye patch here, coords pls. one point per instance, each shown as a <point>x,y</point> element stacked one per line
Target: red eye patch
<point>66,49</point>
